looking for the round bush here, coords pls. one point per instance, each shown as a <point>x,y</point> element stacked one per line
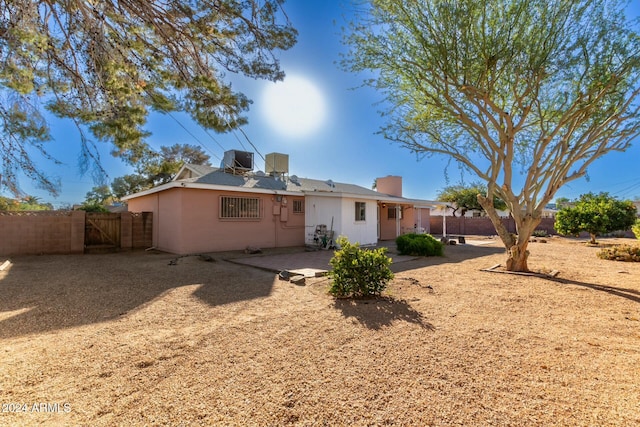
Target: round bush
<point>419,245</point>
<point>359,272</point>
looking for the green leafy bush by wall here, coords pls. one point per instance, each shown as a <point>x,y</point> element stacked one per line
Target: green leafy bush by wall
<point>636,229</point>
<point>359,272</point>
<point>626,253</point>
<point>419,245</point>
<point>540,233</point>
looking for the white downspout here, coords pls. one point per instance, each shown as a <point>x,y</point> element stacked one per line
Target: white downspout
<point>444,222</point>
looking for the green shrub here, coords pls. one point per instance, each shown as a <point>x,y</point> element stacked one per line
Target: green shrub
<point>359,272</point>
<point>540,233</point>
<point>636,229</point>
<point>621,253</point>
<point>597,214</point>
<point>419,245</point>
<point>93,207</point>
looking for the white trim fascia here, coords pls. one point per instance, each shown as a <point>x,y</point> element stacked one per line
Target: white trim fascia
<point>417,203</point>
<point>217,187</point>
<point>214,187</point>
<point>337,194</point>
<point>162,187</point>
<point>180,171</point>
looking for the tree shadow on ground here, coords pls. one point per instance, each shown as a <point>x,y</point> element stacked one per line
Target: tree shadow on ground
<point>376,313</point>
<point>46,293</point>
<point>452,254</point>
<point>630,294</point>
<point>280,260</point>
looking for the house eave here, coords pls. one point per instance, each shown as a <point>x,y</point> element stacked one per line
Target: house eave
<point>381,198</point>
<point>212,187</point>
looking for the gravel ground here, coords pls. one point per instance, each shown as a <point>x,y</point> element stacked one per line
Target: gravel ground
<point>128,339</point>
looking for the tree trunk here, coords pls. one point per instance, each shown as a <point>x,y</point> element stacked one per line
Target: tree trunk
<point>517,256</point>
<point>593,239</point>
<point>487,204</point>
<point>517,253</point>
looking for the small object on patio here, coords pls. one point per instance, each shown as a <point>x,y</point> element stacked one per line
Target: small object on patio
<point>5,264</point>
<point>252,250</point>
<point>284,275</point>
<point>206,258</point>
<point>452,242</point>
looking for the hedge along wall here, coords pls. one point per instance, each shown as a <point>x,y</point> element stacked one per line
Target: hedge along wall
<point>63,232</point>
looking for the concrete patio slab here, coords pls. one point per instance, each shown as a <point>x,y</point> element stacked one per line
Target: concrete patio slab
<point>308,264</point>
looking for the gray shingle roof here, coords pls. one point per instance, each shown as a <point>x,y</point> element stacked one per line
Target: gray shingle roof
<point>268,182</point>
<point>219,177</point>
<point>315,185</point>
<point>207,175</point>
<point>193,171</point>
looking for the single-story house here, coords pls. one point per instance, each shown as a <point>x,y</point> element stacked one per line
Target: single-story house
<point>207,209</point>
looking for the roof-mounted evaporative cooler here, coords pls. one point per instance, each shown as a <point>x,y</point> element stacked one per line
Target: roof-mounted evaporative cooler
<point>276,164</point>
<point>236,161</point>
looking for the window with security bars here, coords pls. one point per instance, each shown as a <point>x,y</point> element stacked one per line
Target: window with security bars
<point>361,211</point>
<point>239,207</point>
<point>298,206</point>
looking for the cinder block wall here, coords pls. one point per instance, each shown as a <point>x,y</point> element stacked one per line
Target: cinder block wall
<point>481,226</point>
<point>63,232</point>
<point>45,232</point>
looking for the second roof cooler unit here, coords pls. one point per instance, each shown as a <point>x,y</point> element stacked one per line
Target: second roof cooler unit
<point>276,164</point>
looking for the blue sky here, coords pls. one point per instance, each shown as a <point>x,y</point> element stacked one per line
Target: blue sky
<point>340,142</point>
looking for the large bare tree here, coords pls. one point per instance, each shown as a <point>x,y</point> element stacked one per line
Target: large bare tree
<point>525,94</point>
<point>105,64</point>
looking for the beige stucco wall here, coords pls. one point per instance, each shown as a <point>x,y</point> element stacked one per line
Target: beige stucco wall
<point>425,223</point>
<point>188,220</point>
<point>387,225</point>
<point>412,219</point>
<point>167,224</point>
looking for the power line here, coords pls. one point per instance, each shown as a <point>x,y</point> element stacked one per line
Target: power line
<point>252,144</point>
<point>196,138</point>
<point>244,134</point>
<point>216,141</point>
<point>627,190</point>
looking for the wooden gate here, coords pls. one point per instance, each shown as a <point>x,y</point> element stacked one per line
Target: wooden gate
<point>102,231</point>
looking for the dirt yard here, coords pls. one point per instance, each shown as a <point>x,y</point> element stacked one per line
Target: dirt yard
<point>128,339</point>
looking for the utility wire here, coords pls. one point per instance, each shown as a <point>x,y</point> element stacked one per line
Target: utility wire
<point>196,138</point>
<point>629,189</point>
<point>252,144</point>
